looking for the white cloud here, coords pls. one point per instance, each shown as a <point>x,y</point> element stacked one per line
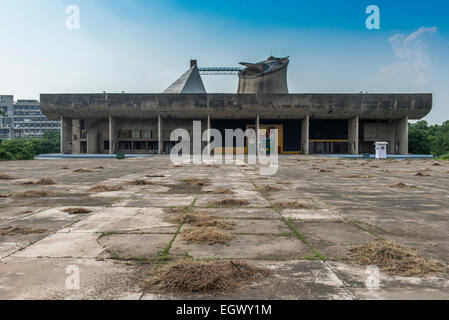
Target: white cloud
<point>412,71</point>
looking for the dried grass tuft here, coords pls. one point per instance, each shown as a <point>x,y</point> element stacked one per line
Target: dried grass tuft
<point>356,177</point>
<point>221,191</point>
<point>5,176</point>
<point>189,276</point>
<point>402,185</point>
<point>10,231</point>
<point>43,182</point>
<point>207,236</point>
<point>82,170</point>
<point>396,259</point>
<point>104,188</point>
<point>33,194</point>
<point>174,210</point>
<point>268,188</point>
<point>195,182</point>
<point>230,203</point>
<point>436,164</point>
<point>202,220</point>
<point>76,211</point>
<point>139,182</point>
<point>295,205</point>
<point>283,182</point>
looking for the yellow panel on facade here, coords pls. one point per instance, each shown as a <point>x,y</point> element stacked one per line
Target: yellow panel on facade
<point>265,129</point>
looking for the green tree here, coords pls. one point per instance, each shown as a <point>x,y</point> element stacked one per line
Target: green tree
<point>419,142</point>
<point>426,139</point>
<point>27,148</point>
<point>440,141</point>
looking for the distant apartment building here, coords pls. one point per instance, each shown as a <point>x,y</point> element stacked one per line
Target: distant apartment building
<point>23,118</point>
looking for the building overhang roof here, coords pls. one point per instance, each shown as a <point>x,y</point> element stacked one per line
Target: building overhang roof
<point>237,106</point>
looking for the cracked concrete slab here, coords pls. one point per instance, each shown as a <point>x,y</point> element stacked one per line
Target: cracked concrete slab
<point>160,200</point>
<point>246,247</point>
<point>337,232</point>
<point>39,278</point>
<point>134,245</point>
<point>241,213</point>
<point>306,214</point>
<point>125,219</point>
<point>64,244</point>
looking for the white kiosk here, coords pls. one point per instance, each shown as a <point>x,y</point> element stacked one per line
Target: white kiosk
<point>381,150</point>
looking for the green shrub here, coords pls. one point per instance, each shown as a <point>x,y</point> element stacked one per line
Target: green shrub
<point>444,157</point>
<point>24,155</point>
<point>5,155</point>
<point>26,148</point>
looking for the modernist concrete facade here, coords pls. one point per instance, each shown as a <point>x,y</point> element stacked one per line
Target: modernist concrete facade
<point>307,123</point>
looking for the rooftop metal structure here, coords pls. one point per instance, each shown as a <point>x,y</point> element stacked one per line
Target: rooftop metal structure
<point>220,70</point>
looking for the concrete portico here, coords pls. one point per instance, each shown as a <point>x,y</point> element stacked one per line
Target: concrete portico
<point>158,114</point>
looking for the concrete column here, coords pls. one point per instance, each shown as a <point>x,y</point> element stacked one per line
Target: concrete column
<point>160,133</point>
<point>76,133</point>
<point>113,135</point>
<point>305,135</point>
<point>92,136</point>
<point>66,135</point>
<point>208,134</point>
<point>353,135</point>
<point>401,135</point>
<point>257,134</point>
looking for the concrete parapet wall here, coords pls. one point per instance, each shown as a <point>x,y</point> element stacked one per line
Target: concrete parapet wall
<point>236,106</point>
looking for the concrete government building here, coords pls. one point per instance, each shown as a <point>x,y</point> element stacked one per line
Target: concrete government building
<point>307,123</point>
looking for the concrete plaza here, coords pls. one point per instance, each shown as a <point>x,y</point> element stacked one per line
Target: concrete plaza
<point>353,201</point>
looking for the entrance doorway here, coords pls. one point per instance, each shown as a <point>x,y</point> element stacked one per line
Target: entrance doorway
<point>267,134</point>
<point>83,146</point>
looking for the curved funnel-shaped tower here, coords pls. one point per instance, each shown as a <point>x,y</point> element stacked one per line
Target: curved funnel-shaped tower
<point>265,77</point>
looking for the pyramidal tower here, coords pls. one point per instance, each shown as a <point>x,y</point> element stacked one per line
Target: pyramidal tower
<point>189,82</point>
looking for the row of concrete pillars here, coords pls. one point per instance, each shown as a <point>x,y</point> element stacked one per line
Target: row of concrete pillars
<point>401,134</point>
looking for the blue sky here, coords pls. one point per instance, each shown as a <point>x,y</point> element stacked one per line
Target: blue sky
<point>143,46</point>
